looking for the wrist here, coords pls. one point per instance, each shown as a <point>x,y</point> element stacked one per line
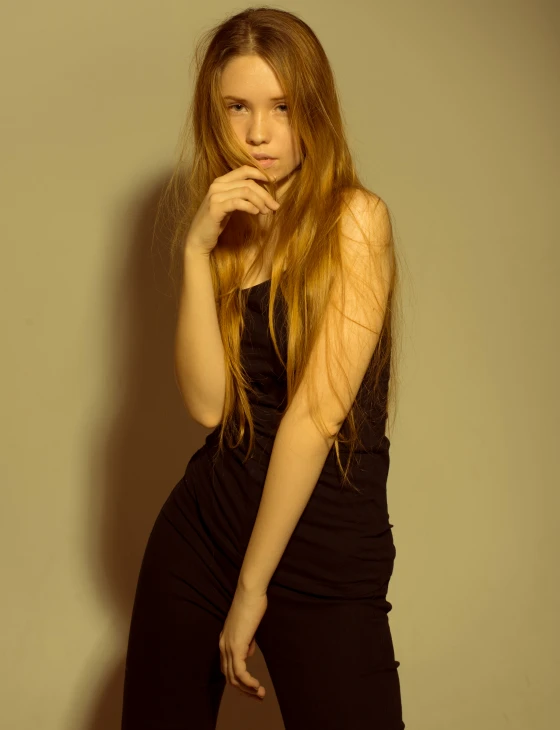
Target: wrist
<point>195,250</point>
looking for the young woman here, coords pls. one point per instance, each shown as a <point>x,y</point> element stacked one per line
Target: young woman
<point>278,533</point>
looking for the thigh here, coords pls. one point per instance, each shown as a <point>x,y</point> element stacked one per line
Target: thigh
<point>172,675</point>
<point>331,661</point>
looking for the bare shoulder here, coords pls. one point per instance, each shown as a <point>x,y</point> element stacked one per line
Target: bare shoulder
<point>364,220</point>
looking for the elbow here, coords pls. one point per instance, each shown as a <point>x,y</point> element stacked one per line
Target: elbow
<point>209,422</point>
<point>197,411</point>
<point>208,418</point>
<point>200,416</point>
<point>204,418</point>
<point>304,418</point>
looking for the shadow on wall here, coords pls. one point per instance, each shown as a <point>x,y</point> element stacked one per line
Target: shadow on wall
<point>146,440</point>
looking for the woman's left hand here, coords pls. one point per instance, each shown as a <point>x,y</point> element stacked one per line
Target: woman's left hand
<point>237,640</point>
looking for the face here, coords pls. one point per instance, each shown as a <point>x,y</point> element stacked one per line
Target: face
<point>258,116</point>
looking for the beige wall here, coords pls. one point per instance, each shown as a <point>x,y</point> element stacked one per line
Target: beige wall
<point>452,111</point>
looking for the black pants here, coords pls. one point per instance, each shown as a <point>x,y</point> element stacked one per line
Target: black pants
<point>331,661</point>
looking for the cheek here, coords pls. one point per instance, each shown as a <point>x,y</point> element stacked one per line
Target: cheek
<point>294,148</point>
<point>296,158</point>
<point>237,127</point>
<point>290,147</point>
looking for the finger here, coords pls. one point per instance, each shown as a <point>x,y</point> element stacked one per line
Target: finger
<point>252,696</point>
<point>247,172</point>
<point>243,675</point>
<point>232,679</point>
<point>256,693</point>
<point>228,667</point>
<point>223,663</point>
<point>243,171</point>
<point>232,204</point>
<point>227,663</point>
<point>254,192</point>
<point>247,200</point>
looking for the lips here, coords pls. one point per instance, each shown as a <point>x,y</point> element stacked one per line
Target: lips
<point>267,162</point>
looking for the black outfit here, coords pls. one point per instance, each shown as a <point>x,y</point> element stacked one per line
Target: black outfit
<point>325,635</point>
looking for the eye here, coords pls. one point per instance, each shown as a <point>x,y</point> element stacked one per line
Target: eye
<point>233,106</point>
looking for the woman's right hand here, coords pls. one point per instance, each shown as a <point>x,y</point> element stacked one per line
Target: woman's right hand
<point>236,190</point>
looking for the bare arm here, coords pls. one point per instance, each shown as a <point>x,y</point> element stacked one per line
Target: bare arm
<point>296,462</point>
<point>300,449</point>
<point>199,351</point>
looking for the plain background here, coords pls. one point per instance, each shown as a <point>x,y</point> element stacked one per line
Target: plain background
<point>452,112</point>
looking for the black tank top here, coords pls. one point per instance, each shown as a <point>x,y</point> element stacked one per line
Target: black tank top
<point>342,545</point>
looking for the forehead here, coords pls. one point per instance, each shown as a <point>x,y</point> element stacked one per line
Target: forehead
<point>250,76</point>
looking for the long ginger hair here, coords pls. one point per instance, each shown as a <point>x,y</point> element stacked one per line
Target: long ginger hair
<point>307,258</point>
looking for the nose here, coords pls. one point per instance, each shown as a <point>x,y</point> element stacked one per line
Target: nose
<point>257,132</point>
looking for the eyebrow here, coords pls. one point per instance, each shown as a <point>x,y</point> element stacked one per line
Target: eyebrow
<point>244,101</point>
